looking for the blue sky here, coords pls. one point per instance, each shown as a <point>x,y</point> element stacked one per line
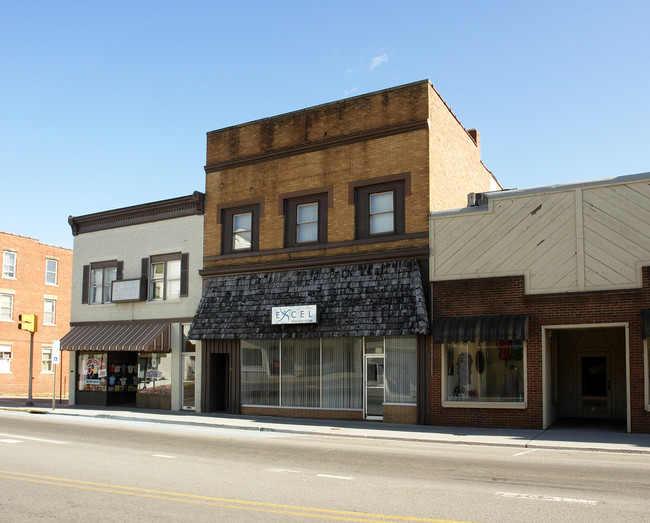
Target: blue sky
<point>106,104</point>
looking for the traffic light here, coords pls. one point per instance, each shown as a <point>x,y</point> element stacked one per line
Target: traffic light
<point>28,322</point>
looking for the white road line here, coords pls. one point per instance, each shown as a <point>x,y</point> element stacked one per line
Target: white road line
<point>524,452</point>
<point>286,470</point>
<point>10,441</point>
<point>166,456</point>
<point>537,497</point>
<point>333,477</point>
<point>56,442</point>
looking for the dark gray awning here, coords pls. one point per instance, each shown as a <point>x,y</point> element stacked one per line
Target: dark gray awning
<point>481,328</point>
<point>645,323</point>
<point>379,299</point>
<point>123,336</point>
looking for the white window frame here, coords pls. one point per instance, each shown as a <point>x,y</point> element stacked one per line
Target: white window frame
<point>521,405</point>
<point>46,313</point>
<point>382,213</point>
<point>10,296</point>
<point>104,286</point>
<point>165,279</point>
<point>5,265</point>
<point>242,239</point>
<point>55,272</point>
<point>4,349</point>
<point>44,350</point>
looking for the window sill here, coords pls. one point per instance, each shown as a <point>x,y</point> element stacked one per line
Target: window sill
<point>6,321</point>
<point>48,324</point>
<point>51,284</point>
<point>485,404</point>
<point>47,372</point>
<point>9,278</point>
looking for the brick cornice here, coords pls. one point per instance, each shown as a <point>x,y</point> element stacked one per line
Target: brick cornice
<point>303,148</point>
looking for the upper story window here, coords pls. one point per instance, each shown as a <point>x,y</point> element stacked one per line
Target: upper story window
<point>6,307</point>
<point>9,264</point>
<point>240,229</point>
<point>165,279</point>
<point>98,279</point>
<point>51,271</point>
<point>168,275</point>
<point>382,212</point>
<point>305,220</point>
<point>49,312</point>
<point>380,209</point>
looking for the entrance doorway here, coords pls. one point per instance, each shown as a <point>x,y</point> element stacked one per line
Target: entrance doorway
<point>585,374</point>
<point>595,387</point>
<point>374,386</point>
<point>219,386</point>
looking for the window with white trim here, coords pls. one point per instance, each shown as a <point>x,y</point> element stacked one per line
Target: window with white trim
<point>5,359</point>
<point>165,277</point>
<point>492,372</point>
<point>9,265</point>
<point>49,312</point>
<point>102,276</point>
<point>6,307</point>
<point>51,271</point>
<point>46,360</point>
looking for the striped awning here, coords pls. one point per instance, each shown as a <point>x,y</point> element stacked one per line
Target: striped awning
<point>481,328</point>
<point>645,323</point>
<point>123,336</point>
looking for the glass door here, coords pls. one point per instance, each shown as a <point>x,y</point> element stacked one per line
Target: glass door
<point>374,386</point>
<point>189,383</point>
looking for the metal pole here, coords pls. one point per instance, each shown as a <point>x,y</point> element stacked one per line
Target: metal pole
<point>30,403</point>
<point>54,389</point>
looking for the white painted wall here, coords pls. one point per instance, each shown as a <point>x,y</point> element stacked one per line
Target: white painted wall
<point>130,244</point>
<point>580,237</point>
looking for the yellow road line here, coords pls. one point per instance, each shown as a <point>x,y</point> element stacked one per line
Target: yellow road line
<point>234,504</point>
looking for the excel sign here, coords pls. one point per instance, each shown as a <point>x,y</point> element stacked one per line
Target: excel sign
<point>294,314</point>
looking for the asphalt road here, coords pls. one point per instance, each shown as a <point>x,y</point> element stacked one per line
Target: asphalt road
<point>75,469</point>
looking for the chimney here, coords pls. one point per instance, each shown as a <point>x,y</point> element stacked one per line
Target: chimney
<point>476,137</point>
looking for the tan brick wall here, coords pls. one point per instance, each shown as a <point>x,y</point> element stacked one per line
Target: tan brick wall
<point>443,162</point>
<point>401,414</point>
<point>29,290</point>
<point>455,159</point>
<point>303,413</point>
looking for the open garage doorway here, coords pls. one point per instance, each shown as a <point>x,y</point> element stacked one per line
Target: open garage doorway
<point>585,376</point>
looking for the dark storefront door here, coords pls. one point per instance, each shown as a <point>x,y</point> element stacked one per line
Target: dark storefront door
<point>595,387</point>
<point>219,372</point>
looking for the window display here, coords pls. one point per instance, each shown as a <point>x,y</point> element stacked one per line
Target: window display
<point>154,374</point>
<point>487,371</point>
<point>92,371</point>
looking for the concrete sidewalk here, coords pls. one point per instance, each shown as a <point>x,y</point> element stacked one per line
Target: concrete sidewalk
<point>599,438</point>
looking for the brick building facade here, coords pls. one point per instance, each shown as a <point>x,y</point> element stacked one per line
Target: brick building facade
<point>569,265</point>
<point>35,279</point>
<point>335,198</point>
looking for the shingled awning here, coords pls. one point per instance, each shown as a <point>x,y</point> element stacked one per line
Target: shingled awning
<point>380,299</point>
<point>481,328</point>
<point>122,336</point>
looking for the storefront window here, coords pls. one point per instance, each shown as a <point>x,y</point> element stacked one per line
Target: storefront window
<point>154,374</point>
<point>324,373</point>
<point>343,373</point>
<point>260,370</point>
<point>401,366</point>
<point>486,372</point>
<point>300,368</point>
<point>189,370</point>
<point>92,371</point>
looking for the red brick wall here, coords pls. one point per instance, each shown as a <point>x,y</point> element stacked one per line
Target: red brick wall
<point>29,292</point>
<point>495,296</point>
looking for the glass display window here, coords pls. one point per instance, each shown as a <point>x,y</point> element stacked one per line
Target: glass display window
<point>154,373</point>
<point>92,371</point>
<point>484,372</point>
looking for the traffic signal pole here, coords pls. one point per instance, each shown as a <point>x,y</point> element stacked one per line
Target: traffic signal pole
<point>29,322</point>
<point>30,403</point>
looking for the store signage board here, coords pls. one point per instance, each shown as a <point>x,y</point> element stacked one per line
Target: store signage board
<point>294,314</point>
<point>126,290</point>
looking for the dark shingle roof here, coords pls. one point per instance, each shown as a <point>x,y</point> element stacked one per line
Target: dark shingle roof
<point>380,299</point>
